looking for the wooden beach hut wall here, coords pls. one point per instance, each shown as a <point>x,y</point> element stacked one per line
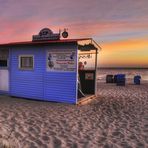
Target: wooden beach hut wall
<point>45,68</point>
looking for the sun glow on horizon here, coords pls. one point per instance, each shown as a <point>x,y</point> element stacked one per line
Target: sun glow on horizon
<point>125,53</point>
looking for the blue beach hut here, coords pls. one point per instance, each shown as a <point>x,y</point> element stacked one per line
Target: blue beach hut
<point>48,68</point>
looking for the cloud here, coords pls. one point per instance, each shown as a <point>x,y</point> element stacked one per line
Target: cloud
<point>107,30</point>
<point>132,52</point>
<point>127,45</point>
<point>118,25</point>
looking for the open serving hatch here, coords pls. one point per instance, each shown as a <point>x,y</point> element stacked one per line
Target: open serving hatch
<point>87,69</point>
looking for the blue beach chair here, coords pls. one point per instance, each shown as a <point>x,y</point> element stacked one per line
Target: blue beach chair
<point>137,80</point>
<point>120,79</point>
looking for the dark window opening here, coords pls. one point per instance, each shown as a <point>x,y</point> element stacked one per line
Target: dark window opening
<point>3,63</point>
<point>4,55</point>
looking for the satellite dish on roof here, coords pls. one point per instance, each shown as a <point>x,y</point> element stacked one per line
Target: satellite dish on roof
<point>65,33</point>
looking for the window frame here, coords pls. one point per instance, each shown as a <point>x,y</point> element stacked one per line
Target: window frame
<point>26,56</point>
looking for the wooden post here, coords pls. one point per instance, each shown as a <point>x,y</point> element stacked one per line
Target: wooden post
<point>96,57</point>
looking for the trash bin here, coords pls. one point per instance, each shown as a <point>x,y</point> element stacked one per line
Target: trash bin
<point>120,80</point>
<point>109,79</point>
<point>137,80</point>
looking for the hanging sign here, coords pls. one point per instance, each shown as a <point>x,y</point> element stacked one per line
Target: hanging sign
<point>61,61</point>
<point>45,35</point>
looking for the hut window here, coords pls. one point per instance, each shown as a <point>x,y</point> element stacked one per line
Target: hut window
<point>3,63</point>
<point>4,58</point>
<point>26,62</point>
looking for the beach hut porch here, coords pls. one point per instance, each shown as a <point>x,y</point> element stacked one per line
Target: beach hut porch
<point>87,70</point>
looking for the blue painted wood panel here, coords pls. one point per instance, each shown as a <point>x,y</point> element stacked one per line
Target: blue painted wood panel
<point>40,83</point>
<point>27,83</point>
<point>60,86</point>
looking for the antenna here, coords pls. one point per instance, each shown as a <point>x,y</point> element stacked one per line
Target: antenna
<point>59,31</point>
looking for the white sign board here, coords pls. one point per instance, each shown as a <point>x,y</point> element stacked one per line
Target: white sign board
<point>61,61</point>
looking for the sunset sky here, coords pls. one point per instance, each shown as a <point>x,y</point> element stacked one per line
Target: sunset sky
<point>120,27</point>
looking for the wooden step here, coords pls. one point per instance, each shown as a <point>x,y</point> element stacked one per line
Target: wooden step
<point>86,99</point>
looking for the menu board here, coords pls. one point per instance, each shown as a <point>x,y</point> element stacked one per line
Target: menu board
<point>61,61</point>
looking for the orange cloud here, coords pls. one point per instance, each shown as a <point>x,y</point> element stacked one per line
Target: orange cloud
<point>106,27</point>
<point>133,52</point>
<point>126,45</point>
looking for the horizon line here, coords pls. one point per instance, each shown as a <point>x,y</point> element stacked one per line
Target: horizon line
<point>122,67</point>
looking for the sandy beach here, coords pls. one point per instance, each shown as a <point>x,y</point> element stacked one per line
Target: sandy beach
<point>117,118</point>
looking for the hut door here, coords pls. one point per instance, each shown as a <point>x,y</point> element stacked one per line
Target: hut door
<point>87,80</point>
<point>4,72</point>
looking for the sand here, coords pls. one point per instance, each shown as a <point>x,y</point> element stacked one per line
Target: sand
<point>117,118</point>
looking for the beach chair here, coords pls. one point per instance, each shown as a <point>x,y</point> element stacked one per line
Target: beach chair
<point>120,80</point>
<point>109,79</point>
<point>137,80</point>
<point>115,78</point>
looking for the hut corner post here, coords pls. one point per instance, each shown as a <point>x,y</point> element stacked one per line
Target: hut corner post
<point>96,72</point>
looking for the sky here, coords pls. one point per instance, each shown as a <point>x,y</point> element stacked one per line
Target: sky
<point>120,27</point>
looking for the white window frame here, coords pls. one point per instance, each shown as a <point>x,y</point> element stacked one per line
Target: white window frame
<point>25,56</point>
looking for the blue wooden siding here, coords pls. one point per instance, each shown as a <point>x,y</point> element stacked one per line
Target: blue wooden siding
<point>27,83</point>
<point>60,87</point>
<point>40,83</point>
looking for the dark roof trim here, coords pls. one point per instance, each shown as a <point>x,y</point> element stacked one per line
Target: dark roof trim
<point>43,42</point>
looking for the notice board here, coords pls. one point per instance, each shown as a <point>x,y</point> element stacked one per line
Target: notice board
<point>61,61</point>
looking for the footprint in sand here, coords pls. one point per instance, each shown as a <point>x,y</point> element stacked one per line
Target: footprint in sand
<point>39,142</point>
<point>56,142</point>
<point>72,145</point>
<point>17,135</point>
<point>140,145</point>
<point>102,139</point>
<point>45,138</point>
<point>125,144</point>
<point>109,145</point>
<point>116,133</point>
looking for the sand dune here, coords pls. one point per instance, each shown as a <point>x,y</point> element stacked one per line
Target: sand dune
<point>117,118</point>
